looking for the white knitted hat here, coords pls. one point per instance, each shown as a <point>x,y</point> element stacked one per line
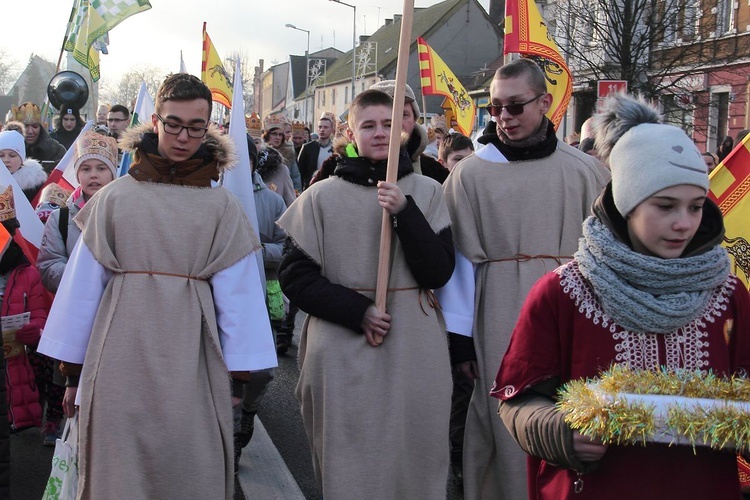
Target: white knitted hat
<point>644,157</point>
<point>10,139</point>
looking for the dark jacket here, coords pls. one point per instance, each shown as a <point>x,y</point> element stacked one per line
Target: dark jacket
<point>67,138</point>
<point>433,168</point>
<point>307,161</point>
<point>46,150</point>
<point>430,256</point>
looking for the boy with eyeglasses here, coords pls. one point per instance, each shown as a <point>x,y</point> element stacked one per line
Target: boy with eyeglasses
<point>118,120</point>
<point>160,307</point>
<point>534,192</point>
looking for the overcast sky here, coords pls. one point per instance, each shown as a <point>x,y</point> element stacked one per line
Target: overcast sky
<point>156,36</point>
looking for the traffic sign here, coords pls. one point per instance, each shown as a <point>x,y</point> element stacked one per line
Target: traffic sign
<point>607,87</point>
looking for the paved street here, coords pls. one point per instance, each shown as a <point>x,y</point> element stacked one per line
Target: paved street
<point>275,465</point>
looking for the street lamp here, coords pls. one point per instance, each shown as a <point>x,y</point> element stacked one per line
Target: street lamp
<point>307,67</point>
<point>354,40</point>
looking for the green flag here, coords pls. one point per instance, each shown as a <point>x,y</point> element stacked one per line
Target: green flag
<point>90,24</point>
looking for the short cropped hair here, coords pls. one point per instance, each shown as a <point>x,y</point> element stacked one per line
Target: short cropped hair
<point>366,99</point>
<point>453,142</point>
<point>119,108</point>
<point>183,87</point>
<point>527,68</point>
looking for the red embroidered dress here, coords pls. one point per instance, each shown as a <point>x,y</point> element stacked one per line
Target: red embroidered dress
<point>563,332</point>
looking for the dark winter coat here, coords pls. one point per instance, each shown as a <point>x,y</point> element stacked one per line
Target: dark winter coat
<point>46,149</point>
<point>23,292</point>
<point>307,161</point>
<point>67,138</point>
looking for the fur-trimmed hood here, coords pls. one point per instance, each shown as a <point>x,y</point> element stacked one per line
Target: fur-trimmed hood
<point>31,175</point>
<point>215,145</point>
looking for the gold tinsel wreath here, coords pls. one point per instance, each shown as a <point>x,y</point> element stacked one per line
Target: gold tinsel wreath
<point>605,408</point>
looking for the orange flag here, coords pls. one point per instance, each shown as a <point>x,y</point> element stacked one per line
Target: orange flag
<point>4,240</point>
<point>213,73</point>
<point>526,34</point>
<point>438,79</point>
<point>730,183</point>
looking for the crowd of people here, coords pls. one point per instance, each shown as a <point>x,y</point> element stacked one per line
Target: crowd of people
<point>156,313</point>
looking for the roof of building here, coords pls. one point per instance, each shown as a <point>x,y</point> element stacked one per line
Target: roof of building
<point>387,37</point>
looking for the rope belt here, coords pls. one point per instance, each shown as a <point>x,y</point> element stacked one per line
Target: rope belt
<point>430,297</point>
<point>172,275</point>
<point>522,257</point>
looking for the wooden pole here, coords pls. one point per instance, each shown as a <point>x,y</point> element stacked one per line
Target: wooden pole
<point>394,147</point>
<point>65,38</point>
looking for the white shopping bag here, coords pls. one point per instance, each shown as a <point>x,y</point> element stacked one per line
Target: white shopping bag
<point>63,478</point>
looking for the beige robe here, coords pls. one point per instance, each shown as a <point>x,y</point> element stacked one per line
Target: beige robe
<point>376,418</point>
<point>157,391</point>
<point>500,211</point>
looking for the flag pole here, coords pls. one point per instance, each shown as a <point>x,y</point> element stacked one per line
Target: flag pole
<point>394,147</point>
<point>65,38</point>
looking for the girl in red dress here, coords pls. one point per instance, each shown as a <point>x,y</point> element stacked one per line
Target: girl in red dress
<point>649,287</point>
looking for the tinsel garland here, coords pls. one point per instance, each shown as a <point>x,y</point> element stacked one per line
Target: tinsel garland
<point>606,408</point>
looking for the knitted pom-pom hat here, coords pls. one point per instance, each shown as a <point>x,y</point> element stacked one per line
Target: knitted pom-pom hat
<point>644,155</point>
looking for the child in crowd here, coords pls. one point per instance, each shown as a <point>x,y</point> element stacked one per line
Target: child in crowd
<point>269,206</point>
<point>649,287</point>
<point>454,147</point>
<point>374,431</point>
<point>27,172</point>
<point>21,291</point>
<point>711,160</point>
<point>95,166</point>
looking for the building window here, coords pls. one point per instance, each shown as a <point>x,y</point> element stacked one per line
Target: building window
<point>323,93</point>
<point>678,111</point>
<point>346,95</point>
<point>725,16</point>
<point>679,19</point>
<point>718,116</point>
<point>333,97</point>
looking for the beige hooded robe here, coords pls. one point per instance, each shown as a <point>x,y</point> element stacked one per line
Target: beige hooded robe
<point>376,418</point>
<point>502,212</point>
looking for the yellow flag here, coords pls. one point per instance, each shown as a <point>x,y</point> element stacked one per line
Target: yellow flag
<point>213,73</point>
<point>730,183</point>
<point>438,79</point>
<point>81,42</point>
<point>526,34</point>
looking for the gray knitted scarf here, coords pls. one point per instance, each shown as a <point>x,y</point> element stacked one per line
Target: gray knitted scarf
<point>647,294</point>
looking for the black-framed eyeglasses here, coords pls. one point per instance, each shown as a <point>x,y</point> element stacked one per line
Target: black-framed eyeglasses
<point>513,109</point>
<point>175,129</point>
<point>277,134</point>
